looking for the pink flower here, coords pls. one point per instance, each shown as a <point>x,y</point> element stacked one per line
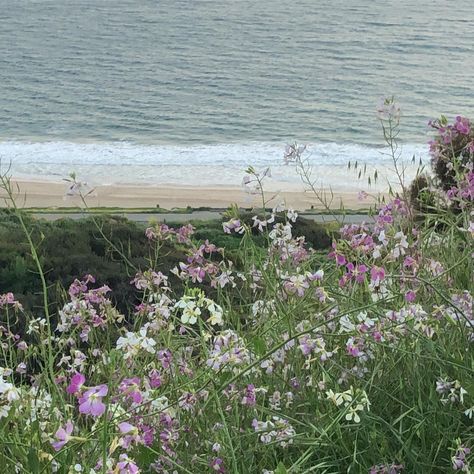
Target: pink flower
<point>130,435</point>
<point>127,465</point>
<point>357,271</point>
<point>410,296</point>
<point>91,402</point>
<point>462,125</point>
<point>77,381</point>
<point>409,262</point>
<point>339,257</point>
<point>63,435</point>
<point>126,428</point>
<point>377,274</point>
<point>131,389</point>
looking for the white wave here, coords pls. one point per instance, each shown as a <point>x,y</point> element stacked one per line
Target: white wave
<point>223,164</point>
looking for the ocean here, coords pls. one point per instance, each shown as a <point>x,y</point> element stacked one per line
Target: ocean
<point>194,91</point>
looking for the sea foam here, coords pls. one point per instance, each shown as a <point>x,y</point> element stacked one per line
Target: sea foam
<point>205,165</point>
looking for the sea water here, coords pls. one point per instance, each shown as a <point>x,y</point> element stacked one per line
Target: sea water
<point>194,91</point>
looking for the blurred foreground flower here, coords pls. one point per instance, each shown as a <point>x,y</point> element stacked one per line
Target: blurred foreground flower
<point>77,188</point>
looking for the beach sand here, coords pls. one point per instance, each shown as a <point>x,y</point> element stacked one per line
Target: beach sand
<point>31,193</point>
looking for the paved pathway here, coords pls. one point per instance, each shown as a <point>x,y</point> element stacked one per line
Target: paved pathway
<point>196,216</point>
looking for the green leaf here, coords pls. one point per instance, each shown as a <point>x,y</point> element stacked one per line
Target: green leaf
<point>33,461</point>
<point>259,346</point>
<point>281,469</point>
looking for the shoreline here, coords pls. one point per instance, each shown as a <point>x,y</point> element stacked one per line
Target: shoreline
<point>52,194</point>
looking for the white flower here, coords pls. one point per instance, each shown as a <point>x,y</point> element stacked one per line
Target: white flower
<point>346,324</point>
<point>469,412</point>
<point>215,314</point>
<point>400,246</point>
<point>8,391</point>
<point>471,229</point>
<point>292,215</point>
<point>133,342</point>
<point>352,413</point>
<point>190,311</point>
<point>78,188</point>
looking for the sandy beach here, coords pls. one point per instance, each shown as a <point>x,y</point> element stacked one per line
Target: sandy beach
<point>51,194</point>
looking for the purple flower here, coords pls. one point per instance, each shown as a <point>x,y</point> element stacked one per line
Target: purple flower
<point>77,381</point>
<point>131,389</point>
<point>459,460</point>
<point>217,465</point>
<point>165,357</point>
<point>340,259</point>
<point>377,274</point>
<point>410,296</point>
<point>63,435</point>
<point>91,401</point>
<point>357,271</point>
<point>127,465</point>
<point>249,397</point>
<point>386,469</point>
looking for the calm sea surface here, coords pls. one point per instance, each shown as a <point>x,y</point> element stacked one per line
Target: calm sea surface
<point>195,90</point>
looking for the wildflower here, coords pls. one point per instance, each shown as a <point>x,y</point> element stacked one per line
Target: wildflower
<point>8,394</point>
<point>354,401</point>
<point>317,276</point>
<point>262,223</point>
<point>249,398</point>
<point>127,465</point>
<point>453,391</point>
<point>357,272</point>
<point>470,229</point>
<point>131,389</point>
<point>215,314</point>
<point>78,188</point>
<point>338,256</point>
<point>21,368</point>
<point>252,181</point>
<point>352,413</point>
<point>292,215</point>
<point>293,153</point>
<point>400,246</point>
<point>191,311</point>
<point>296,284</point>
<point>75,386</point>
<point>410,296</point>
<point>469,412</point>
<point>63,435</point>
<point>228,352</point>
<point>133,342</point>
<point>90,403</point>
<point>217,465</point>
<point>386,469</point>
<point>459,459</point>
<point>127,428</point>
<point>388,110</point>
<point>377,274</point>
<point>165,357</point>
<point>278,430</point>
<point>233,225</point>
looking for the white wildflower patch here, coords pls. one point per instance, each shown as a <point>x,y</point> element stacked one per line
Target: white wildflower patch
<point>353,401</point>
<point>135,342</point>
<point>191,308</point>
